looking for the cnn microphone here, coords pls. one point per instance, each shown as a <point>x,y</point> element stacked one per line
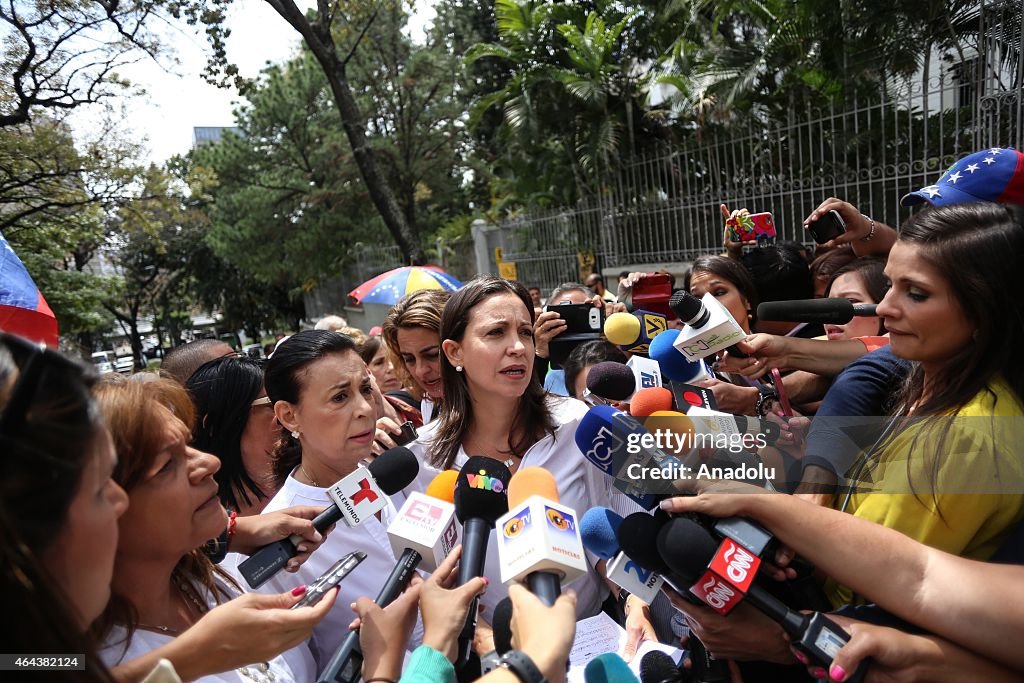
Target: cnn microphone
<point>539,539</point>
<point>611,381</point>
<point>658,667</point>
<point>834,311</point>
<point>598,528</point>
<point>608,668</point>
<point>633,332</point>
<point>722,576</point>
<point>356,497</point>
<point>422,534</point>
<point>480,499</point>
<point>710,326</point>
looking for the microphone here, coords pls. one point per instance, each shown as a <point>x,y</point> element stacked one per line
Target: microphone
<point>614,442</point>
<point>658,667</point>
<point>651,400</point>
<point>833,311</point>
<point>633,332</point>
<point>675,365</point>
<point>608,668</point>
<point>646,372</point>
<point>598,529</point>
<point>611,381</point>
<point>709,326</point>
<point>480,499</point>
<point>722,576</point>
<point>356,497</point>
<point>735,428</point>
<point>424,529</point>
<point>539,539</point>
<point>502,626</point>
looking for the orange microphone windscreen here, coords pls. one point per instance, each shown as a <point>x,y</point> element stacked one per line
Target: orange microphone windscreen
<point>531,481</point>
<point>675,422</point>
<point>443,486</point>
<point>650,400</point>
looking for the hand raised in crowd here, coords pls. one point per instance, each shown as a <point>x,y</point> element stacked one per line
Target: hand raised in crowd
<point>764,352</point>
<point>544,633</point>
<point>255,531</point>
<point>251,628</point>
<point>898,657</point>
<point>548,325</point>
<point>383,439</point>
<point>444,606</point>
<point>384,631</point>
<point>733,250</point>
<point>864,234</point>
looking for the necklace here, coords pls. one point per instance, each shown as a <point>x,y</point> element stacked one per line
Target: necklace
<point>311,479</point>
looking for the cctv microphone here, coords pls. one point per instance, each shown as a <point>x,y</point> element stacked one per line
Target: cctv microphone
<point>658,667</point>
<point>539,538</point>
<point>608,668</point>
<point>598,529</point>
<point>480,499</point>
<point>834,311</point>
<point>611,381</point>
<point>710,327</point>
<point>356,497</point>
<point>633,332</point>
<point>722,576</point>
<point>423,533</point>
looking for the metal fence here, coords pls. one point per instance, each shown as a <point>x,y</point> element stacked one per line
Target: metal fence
<point>664,208</point>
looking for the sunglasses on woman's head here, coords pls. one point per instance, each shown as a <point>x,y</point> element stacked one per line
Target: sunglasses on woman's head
<point>31,360</point>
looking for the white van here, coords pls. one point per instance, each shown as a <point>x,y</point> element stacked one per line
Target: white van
<point>101,359</point>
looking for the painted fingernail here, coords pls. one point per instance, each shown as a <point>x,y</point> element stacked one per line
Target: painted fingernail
<point>317,536</point>
<point>487,582</point>
<point>715,366</point>
<point>800,656</point>
<point>299,590</point>
<point>666,504</point>
<point>837,673</point>
<point>818,673</point>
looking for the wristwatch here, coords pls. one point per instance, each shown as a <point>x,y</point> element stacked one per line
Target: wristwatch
<point>519,663</point>
<point>765,394</point>
<point>621,599</point>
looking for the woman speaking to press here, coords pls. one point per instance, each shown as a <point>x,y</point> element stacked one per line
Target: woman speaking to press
<point>493,406</point>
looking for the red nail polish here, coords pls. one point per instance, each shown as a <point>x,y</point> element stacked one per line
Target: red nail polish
<point>487,582</point>
<point>299,590</point>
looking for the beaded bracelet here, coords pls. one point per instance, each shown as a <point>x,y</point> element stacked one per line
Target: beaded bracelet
<point>871,233</point>
<point>232,523</point>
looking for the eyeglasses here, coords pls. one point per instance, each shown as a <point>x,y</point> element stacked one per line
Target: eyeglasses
<point>31,360</point>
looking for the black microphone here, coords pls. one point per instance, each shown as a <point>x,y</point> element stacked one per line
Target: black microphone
<point>502,626</point>
<point>389,473</point>
<point>834,311</point>
<point>658,667</point>
<point>480,499</point>
<point>722,576</point>
<point>694,313</point>
<point>611,381</point>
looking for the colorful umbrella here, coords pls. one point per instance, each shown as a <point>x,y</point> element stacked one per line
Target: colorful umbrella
<point>23,310</point>
<point>391,286</point>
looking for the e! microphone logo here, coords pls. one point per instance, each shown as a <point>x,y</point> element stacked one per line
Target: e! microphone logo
<point>424,512</point>
<point>365,493</point>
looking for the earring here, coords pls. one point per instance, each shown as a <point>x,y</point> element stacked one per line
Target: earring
<point>295,434</point>
<point>458,368</point>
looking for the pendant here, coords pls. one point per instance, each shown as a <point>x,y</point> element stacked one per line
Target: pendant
<point>509,463</point>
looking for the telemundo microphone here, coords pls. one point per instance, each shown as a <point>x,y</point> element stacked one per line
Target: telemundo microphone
<point>421,535</point>
<point>722,576</point>
<point>356,498</point>
<point>633,332</point>
<point>834,311</point>
<point>710,327</point>
<point>539,538</point>
<point>598,528</point>
<point>480,499</point>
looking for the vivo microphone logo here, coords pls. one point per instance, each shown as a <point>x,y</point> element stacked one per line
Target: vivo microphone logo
<point>365,493</point>
<point>738,563</point>
<point>484,482</point>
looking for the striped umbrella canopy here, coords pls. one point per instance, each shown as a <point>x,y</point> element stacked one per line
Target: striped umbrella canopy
<point>387,288</point>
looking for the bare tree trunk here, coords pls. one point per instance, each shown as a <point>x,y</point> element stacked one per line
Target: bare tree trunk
<point>318,37</point>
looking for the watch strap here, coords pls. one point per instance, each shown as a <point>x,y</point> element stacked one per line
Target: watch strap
<point>519,663</point>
